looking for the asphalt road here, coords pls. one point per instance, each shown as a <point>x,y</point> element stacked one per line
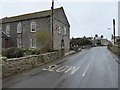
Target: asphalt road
<point>90,68</point>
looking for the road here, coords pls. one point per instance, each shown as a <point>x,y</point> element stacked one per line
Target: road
<point>90,68</point>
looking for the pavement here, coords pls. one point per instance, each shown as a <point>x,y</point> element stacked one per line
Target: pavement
<point>90,68</point>
<point>70,52</point>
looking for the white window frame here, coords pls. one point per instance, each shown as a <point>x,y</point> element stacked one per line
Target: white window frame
<point>59,30</point>
<point>8,29</point>
<point>33,45</point>
<point>65,31</point>
<point>33,23</point>
<point>19,28</point>
<point>19,43</point>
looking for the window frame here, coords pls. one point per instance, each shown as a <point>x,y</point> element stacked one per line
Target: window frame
<point>59,30</point>
<point>33,23</point>
<point>65,30</point>
<point>33,43</point>
<point>19,28</point>
<point>19,43</point>
<point>7,31</point>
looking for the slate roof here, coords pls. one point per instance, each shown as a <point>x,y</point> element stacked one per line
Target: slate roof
<point>40,14</point>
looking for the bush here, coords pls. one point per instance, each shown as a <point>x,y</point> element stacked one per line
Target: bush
<point>16,52</point>
<point>26,51</point>
<point>12,53</point>
<point>4,51</point>
<point>31,51</point>
<point>35,51</point>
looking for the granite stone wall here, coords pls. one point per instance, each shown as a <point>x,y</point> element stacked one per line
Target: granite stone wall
<point>17,65</point>
<point>113,49</point>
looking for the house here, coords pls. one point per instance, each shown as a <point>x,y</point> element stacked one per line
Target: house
<point>105,42</point>
<point>20,31</point>
<point>97,41</point>
<point>5,40</point>
<point>101,41</point>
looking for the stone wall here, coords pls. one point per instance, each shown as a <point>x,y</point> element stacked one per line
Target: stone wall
<point>17,65</point>
<point>114,49</point>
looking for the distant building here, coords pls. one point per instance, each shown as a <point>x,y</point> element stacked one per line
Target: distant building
<point>97,40</point>
<point>100,41</point>
<point>105,42</point>
<point>20,31</point>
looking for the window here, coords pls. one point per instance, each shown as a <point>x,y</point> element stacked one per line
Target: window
<point>8,29</point>
<point>19,28</point>
<point>19,44</point>
<point>33,43</point>
<point>59,30</point>
<point>65,31</point>
<point>62,44</point>
<point>33,27</point>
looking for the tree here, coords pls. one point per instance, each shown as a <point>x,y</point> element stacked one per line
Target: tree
<point>85,41</point>
<point>84,37</point>
<point>101,36</point>
<point>96,35</point>
<point>80,41</point>
<point>44,39</point>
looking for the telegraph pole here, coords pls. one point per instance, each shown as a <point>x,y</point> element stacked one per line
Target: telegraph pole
<point>52,21</point>
<point>114,30</point>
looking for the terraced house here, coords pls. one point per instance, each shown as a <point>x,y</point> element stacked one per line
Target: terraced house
<point>20,31</point>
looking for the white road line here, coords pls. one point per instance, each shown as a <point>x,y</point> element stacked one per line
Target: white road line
<point>86,70</point>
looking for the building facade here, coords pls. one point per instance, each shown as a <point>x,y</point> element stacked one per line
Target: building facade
<point>22,30</point>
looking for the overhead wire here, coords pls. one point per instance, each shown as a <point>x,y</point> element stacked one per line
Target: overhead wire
<point>75,21</point>
<point>78,24</point>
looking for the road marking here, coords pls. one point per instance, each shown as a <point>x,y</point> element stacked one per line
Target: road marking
<point>86,70</point>
<point>74,69</point>
<point>51,68</point>
<point>58,68</point>
<point>62,69</point>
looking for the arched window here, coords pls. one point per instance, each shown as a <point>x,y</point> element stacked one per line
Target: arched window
<point>33,26</point>
<point>8,29</point>
<point>19,28</point>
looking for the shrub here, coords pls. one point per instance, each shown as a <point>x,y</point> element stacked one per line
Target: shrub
<point>35,51</point>
<point>26,51</point>
<point>12,53</point>
<point>31,51</point>
<point>4,52</point>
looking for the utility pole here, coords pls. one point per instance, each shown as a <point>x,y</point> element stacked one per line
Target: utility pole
<point>52,21</point>
<point>114,30</point>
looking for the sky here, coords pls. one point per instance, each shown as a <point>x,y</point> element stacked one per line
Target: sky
<point>86,17</point>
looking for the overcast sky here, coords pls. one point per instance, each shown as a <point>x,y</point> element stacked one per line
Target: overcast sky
<point>86,18</point>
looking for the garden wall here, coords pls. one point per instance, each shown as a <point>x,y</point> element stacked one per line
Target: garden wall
<point>114,49</point>
<point>17,65</point>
